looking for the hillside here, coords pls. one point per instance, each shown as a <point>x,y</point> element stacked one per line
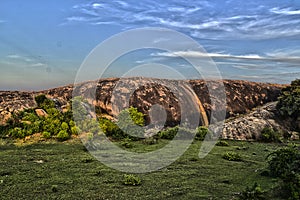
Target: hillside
<point>242,97</point>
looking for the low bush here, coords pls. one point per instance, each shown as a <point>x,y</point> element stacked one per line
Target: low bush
<point>46,135</point>
<point>168,133</point>
<point>110,129</point>
<point>232,156</point>
<point>130,179</point>
<point>222,143</point>
<point>17,133</point>
<point>285,164</point>
<point>201,133</point>
<point>252,193</point>
<point>269,135</point>
<point>284,160</point>
<point>62,135</point>
<point>127,143</point>
<point>131,121</point>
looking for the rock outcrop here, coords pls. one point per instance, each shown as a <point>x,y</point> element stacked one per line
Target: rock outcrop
<point>250,126</point>
<point>241,96</point>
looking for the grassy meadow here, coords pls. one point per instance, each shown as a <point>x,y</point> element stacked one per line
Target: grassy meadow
<point>65,170</point>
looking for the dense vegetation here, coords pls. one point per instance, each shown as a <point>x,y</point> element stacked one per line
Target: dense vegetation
<point>51,123</point>
<point>289,102</point>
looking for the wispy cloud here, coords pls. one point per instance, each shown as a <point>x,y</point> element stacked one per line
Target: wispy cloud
<point>23,61</point>
<point>285,11</point>
<point>278,57</point>
<point>19,57</point>
<point>201,19</point>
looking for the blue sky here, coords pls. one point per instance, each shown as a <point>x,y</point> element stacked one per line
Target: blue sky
<point>43,43</point>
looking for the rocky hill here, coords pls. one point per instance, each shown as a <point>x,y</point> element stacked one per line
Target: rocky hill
<point>241,96</point>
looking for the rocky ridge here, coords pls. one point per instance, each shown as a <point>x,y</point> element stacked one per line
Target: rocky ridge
<point>241,97</point>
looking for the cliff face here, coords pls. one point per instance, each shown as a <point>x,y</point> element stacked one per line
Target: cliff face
<point>241,96</point>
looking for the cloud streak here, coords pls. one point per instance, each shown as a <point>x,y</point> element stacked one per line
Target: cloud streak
<point>201,19</point>
<point>196,54</point>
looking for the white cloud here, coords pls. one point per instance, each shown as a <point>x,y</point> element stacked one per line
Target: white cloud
<point>19,57</point>
<point>39,65</point>
<point>285,11</point>
<point>198,54</point>
<point>78,19</point>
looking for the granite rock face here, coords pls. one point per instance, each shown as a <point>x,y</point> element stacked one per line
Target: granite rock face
<point>241,96</point>
<point>249,126</point>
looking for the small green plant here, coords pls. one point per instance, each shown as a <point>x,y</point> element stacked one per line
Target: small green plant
<point>110,129</point>
<point>130,179</point>
<point>62,135</point>
<point>232,156</point>
<point>201,133</point>
<point>127,143</point>
<point>269,135</point>
<point>168,133</point>
<point>54,188</point>
<point>252,193</point>
<point>131,121</point>
<point>43,102</point>
<point>222,143</point>
<point>17,133</point>
<point>46,135</point>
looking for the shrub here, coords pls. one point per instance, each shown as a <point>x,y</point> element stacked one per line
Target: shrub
<point>232,156</point>
<point>168,133</point>
<point>222,143</point>
<point>17,133</point>
<point>110,129</point>
<point>285,163</point>
<point>131,121</point>
<point>201,133</point>
<point>79,108</point>
<point>127,143</point>
<point>74,130</point>
<point>46,135</point>
<point>131,180</point>
<point>284,160</point>
<point>64,126</point>
<point>43,102</point>
<point>269,135</point>
<point>253,193</point>
<point>62,135</point>
<point>289,101</point>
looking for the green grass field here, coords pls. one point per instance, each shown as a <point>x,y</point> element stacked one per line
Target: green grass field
<point>67,171</point>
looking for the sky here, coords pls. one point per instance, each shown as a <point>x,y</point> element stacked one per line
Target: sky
<point>44,43</point>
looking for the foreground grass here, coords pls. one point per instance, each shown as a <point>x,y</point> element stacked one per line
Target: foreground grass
<point>68,171</point>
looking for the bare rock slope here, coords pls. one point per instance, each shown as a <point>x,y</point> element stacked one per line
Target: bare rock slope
<point>241,97</point>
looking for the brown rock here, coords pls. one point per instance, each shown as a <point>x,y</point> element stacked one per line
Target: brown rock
<point>41,113</point>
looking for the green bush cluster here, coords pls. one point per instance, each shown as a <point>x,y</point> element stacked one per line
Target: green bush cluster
<point>269,135</point>
<point>222,143</point>
<point>131,121</point>
<point>55,124</point>
<point>130,179</point>
<point>232,156</point>
<point>129,125</point>
<point>252,193</point>
<point>285,164</point>
<point>169,133</point>
<point>201,133</point>
<point>289,101</point>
